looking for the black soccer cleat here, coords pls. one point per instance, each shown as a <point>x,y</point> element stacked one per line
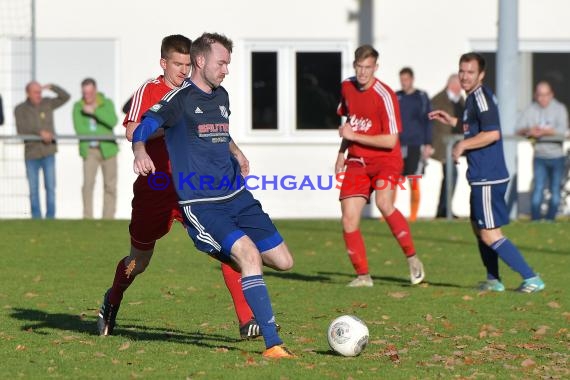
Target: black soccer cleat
<point>107,316</point>
<point>251,329</point>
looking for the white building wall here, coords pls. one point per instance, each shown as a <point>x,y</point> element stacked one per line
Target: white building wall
<point>426,35</point>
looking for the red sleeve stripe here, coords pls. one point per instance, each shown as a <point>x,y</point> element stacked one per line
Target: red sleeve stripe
<point>388,102</point>
<point>134,112</point>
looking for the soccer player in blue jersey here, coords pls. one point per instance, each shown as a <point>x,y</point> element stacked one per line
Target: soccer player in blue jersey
<point>487,175</point>
<point>222,217</point>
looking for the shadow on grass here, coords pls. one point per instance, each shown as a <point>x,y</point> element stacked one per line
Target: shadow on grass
<point>37,320</point>
<point>327,353</point>
<point>395,280</point>
<point>325,277</point>
<point>298,276</point>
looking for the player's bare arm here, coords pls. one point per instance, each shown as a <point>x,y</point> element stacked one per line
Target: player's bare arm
<point>340,159</point>
<point>339,164</point>
<point>143,164</point>
<point>240,157</point>
<point>443,117</point>
<point>130,129</point>
<point>481,140</point>
<point>377,141</point>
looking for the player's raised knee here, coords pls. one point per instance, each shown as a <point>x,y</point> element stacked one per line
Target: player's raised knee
<point>286,262</point>
<point>283,258</point>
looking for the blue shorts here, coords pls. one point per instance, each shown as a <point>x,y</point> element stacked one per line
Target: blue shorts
<point>216,226</point>
<point>488,205</point>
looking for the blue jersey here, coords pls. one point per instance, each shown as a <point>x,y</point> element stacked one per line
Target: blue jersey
<point>416,126</point>
<point>486,165</point>
<point>197,137</point>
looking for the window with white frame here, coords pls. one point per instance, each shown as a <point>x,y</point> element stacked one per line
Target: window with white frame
<point>294,86</point>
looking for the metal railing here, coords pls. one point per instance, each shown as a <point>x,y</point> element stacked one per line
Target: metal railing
<point>63,137</point>
<point>14,200</point>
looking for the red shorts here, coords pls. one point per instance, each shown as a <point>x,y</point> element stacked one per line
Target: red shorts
<point>154,210</point>
<point>362,175</point>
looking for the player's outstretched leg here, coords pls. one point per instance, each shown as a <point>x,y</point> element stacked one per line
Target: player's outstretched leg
<point>351,209</point>
<point>107,316</point>
<point>356,250</point>
<point>401,231</point>
<point>491,262</point>
<point>127,269</point>
<point>257,296</point>
<point>245,253</point>
<point>248,326</point>
<point>509,253</point>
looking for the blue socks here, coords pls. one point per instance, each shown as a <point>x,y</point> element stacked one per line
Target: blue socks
<point>257,298</point>
<point>490,260</point>
<point>512,257</point>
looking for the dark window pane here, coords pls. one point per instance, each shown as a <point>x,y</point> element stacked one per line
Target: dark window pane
<point>264,90</point>
<point>554,68</point>
<point>318,90</point>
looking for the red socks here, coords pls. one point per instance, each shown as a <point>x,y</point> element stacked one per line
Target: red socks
<point>401,231</point>
<point>356,251</point>
<point>233,282</point>
<point>120,283</point>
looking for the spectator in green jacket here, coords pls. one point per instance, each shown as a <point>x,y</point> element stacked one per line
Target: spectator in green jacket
<point>94,115</point>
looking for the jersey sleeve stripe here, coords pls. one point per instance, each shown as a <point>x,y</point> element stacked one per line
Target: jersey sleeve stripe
<point>170,94</point>
<point>385,95</point>
<point>481,100</point>
<point>134,112</point>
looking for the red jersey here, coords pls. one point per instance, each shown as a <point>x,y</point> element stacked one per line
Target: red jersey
<point>374,111</point>
<point>147,95</point>
<point>153,210</point>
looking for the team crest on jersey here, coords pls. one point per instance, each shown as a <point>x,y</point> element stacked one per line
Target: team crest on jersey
<point>224,112</point>
<point>156,107</point>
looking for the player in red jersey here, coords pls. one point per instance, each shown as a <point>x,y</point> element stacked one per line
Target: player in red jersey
<point>374,162</point>
<point>160,205</point>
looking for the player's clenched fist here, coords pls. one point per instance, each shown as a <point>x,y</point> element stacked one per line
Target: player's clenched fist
<point>143,163</point>
<point>345,131</point>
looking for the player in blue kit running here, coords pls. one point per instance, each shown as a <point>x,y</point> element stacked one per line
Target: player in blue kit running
<point>223,219</point>
<point>487,175</point>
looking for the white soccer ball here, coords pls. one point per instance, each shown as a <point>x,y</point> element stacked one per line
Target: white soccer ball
<point>348,335</point>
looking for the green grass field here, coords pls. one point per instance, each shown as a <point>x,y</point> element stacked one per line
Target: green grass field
<point>177,320</point>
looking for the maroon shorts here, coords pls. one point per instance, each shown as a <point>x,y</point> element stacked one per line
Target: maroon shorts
<point>154,210</point>
<point>363,175</point>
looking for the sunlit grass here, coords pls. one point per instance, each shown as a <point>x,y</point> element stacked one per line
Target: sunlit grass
<point>177,320</point>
